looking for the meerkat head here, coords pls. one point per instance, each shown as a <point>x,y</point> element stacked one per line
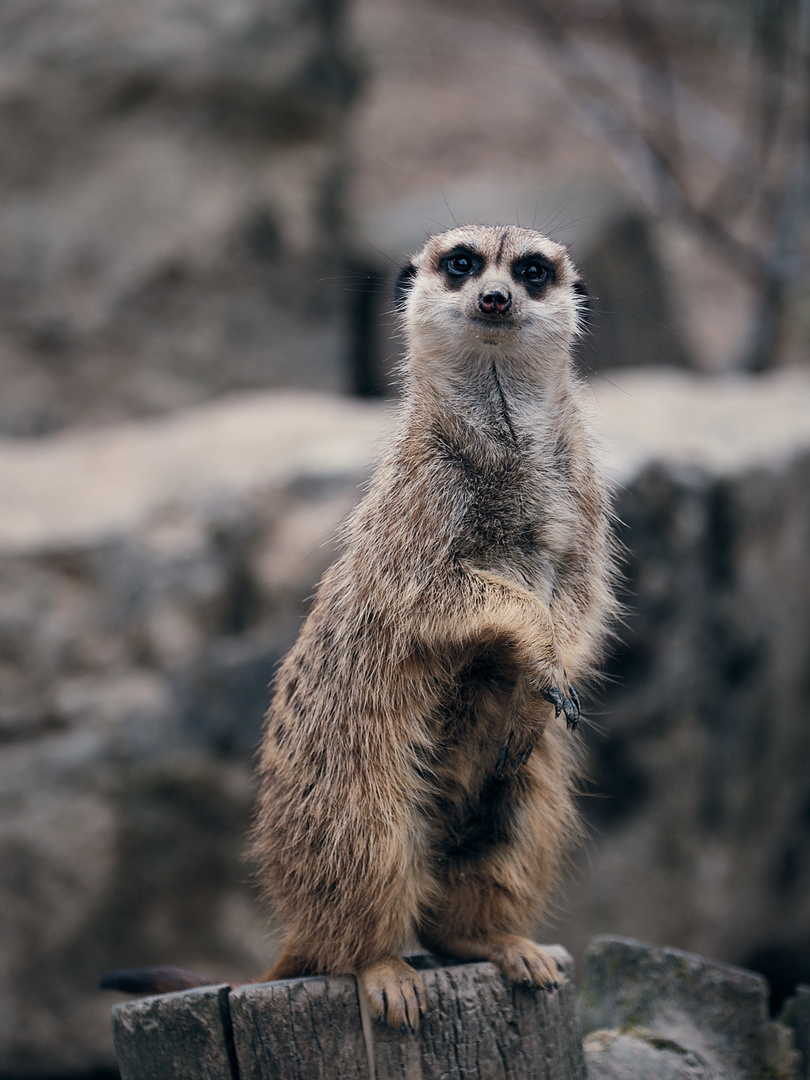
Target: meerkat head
<point>481,294</point>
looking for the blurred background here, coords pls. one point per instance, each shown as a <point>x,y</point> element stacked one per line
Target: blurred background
<point>203,203</point>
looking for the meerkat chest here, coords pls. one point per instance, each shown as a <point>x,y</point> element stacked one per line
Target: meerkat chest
<point>513,507</point>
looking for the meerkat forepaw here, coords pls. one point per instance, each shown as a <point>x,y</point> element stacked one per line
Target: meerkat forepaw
<point>515,751</point>
<point>567,704</point>
<point>394,992</point>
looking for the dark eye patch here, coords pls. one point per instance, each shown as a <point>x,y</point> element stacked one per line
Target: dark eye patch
<point>403,284</point>
<point>585,305</point>
<point>536,272</point>
<point>460,264</point>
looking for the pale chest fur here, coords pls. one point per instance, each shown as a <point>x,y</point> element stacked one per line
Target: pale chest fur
<point>524,499</point>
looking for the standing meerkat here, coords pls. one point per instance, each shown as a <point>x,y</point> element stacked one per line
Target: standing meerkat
<point>416,775</point>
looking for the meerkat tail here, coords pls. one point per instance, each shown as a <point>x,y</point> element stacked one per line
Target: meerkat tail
<point>153,980</point>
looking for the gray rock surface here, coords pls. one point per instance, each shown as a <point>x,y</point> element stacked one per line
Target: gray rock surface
<point>171,202</point>
<point>796,1015</point>
<point>701,826</point>
<point>660,1012</point>
<point>152,575</point>
<point>612,1055</point>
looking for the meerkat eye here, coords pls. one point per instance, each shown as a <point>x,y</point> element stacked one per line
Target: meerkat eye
<point>535,272</point>
<point>459,264</point>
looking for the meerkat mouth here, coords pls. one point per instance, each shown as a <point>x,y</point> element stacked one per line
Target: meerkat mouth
<point>492,329</point>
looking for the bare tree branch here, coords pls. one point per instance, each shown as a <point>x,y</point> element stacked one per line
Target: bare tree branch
<point>653,137</point>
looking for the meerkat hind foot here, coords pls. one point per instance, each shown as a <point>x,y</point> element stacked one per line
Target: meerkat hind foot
<point>524,963</point>
<point>394,992</point>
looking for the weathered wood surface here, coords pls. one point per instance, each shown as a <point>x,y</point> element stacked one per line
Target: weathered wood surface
<point>475,1027</point>
<point>180,1036</point>
<point>299,1028</point>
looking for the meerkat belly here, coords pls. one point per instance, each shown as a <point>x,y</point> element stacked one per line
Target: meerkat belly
<point>470,809</point>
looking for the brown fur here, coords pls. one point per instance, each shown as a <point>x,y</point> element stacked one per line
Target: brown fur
<point>415,780</point>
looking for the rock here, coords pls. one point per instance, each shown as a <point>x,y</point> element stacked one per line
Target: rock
<point>796,1015</point>
<point>172,205</point>
<point>153,574</point>
<point>612,1055</point>
<point>660,1012</point>
<point>701,834</point>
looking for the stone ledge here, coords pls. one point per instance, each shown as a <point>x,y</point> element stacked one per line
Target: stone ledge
<point>86,484</point>
<point>651,1011</point>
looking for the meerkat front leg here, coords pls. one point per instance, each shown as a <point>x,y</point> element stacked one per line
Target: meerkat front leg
<point>502,611</point>
<point>527,716</point>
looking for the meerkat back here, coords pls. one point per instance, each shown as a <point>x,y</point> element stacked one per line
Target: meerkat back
<point>419,760</point>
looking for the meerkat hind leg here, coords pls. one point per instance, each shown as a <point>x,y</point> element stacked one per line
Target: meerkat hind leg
<point>289,965</point>
<point>394,992</point>
<point>522,961</point>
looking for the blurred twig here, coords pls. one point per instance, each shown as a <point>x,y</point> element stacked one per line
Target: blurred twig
<point>654,125</point>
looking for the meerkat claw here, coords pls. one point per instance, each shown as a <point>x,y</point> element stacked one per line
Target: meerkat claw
<point>555,696</point>
<point>568,705</point>
<point>505,763</point>
<point>571,709</point>
<point>503,760</point>
<point>524,757</point>
<point>511,758</point>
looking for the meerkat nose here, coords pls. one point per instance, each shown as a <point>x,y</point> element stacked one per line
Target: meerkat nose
<point>495,300</point>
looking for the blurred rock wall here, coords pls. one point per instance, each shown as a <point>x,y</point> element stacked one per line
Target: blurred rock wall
<point>151,577</point>
<point>701,794</point>
<point>171,192</point>
<point>153,573</point>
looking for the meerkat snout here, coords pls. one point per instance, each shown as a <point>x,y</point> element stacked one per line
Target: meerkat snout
<point>495,299</point>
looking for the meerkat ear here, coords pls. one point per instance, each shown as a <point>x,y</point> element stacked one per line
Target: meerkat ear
<point>584,306</point>
<point>402,284</point>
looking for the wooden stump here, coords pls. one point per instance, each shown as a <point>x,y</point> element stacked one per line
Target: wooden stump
<point>475,1027</point>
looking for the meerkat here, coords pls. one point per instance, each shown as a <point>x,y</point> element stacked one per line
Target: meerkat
<point>416,775</point>
<point>418,767</point>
